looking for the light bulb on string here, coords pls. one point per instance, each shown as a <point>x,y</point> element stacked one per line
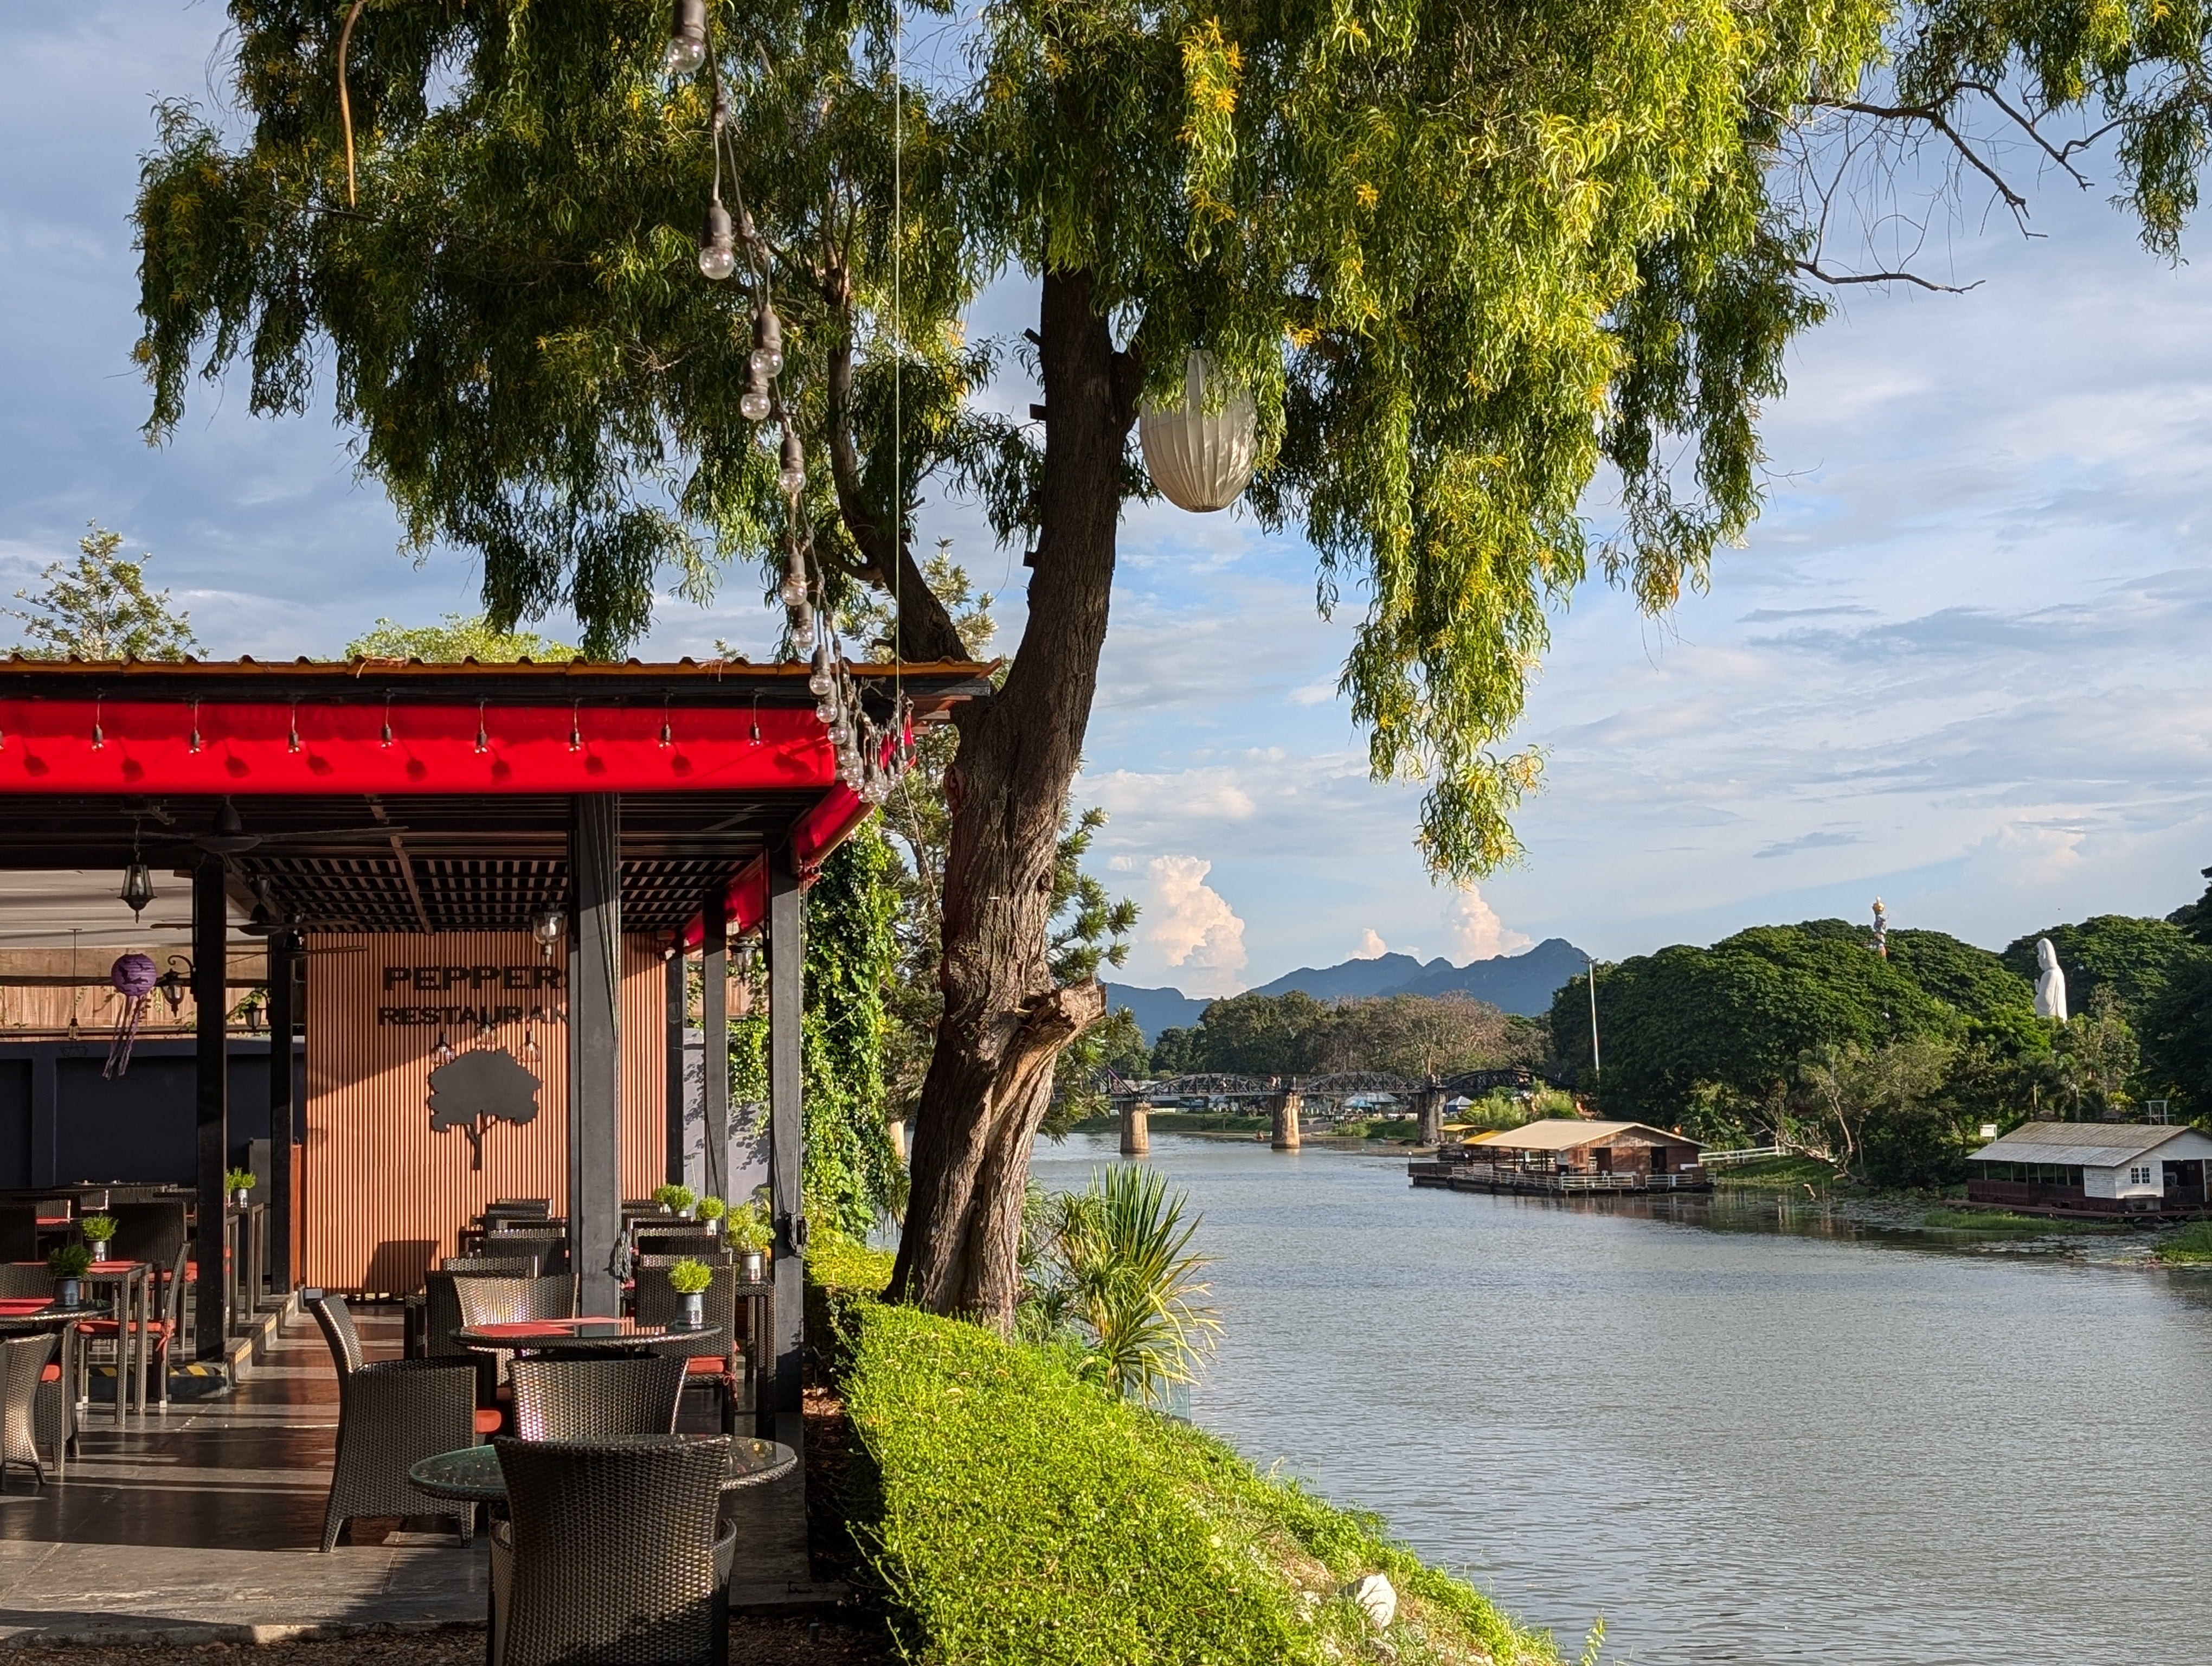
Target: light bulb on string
<point>718,258</point>
<point>687,38</point>
<point>792,592</point>
<point>753,403</point>
<point>792,476</point>
<point>767,358</point>
<point>820,682</point>
<point>802,630</point>
<point>443,1052</point>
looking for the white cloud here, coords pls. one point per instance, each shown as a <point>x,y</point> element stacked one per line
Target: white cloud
<point>1371,946</point>
<point>1194,926</point>
<point>1477,932</point>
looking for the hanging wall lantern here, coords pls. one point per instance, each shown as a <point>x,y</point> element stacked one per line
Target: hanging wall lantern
<point>137,887</point>
<point>1200,459</point>
<point>547,926</point>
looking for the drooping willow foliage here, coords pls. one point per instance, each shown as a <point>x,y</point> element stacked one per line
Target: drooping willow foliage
<point>1469,257</point>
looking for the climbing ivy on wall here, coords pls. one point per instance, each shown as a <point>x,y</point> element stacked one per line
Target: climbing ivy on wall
<point>851,1172</point>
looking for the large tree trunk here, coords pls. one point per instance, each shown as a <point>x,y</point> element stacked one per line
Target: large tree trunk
<point>1005,1024</point>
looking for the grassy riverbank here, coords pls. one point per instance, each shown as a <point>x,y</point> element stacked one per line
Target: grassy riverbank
<point>1013,1514</point>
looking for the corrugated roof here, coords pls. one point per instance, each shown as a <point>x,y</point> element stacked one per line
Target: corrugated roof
<point>2080,1144</point>
<point>1565,1132</point>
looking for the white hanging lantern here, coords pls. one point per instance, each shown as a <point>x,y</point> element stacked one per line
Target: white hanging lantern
<point>1200,459</point>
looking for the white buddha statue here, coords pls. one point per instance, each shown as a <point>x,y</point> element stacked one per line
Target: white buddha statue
<point>2050,983</point>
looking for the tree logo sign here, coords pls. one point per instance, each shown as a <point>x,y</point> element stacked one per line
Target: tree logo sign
<point>480,1087</point>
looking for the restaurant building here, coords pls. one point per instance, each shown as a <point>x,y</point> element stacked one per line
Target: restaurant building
<point>404,865</point>
<point>2096,1169</point>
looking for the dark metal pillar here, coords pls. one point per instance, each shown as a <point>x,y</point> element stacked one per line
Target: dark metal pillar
<point>210,1098</point>
<point>594,1048</point>
<point>671,1161</point>
<point>715,1020</point>
<point>283,1206</point>
<point>787,995</point>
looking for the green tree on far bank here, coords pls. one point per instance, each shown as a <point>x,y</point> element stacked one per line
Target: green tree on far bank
<point>1293,1034</point>
<point>97,607</point>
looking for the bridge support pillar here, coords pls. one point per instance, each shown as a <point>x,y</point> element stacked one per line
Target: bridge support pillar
<point>1136,1132</point>
<point>1288,1105</point>
<point>1429,1106</point>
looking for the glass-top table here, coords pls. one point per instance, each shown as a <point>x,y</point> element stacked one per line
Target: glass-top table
<point>472,1473</point>
<point>582,1338</point>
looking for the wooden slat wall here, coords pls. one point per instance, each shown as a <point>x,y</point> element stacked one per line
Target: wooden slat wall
<point>383,1196</point>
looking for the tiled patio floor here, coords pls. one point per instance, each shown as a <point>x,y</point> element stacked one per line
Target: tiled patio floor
<point>204,1523</point>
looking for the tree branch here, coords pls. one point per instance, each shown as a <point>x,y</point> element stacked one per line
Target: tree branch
<point>1814,269</point>
<point>1933,116</point>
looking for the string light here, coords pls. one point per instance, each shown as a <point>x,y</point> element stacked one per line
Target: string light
<point>718,254</point>
<point>98,740</point>
<point>576,725</point>
<point>687,38</point>
<point>869,758</point>
<point>443,1052</point>
<point>292,736</point>
<point>386,732</point>
<point>193,743</point>
<point>483,741</point>
<point>667,730</point>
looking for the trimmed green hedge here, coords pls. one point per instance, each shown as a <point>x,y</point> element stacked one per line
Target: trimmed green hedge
<point>1018,1516</point>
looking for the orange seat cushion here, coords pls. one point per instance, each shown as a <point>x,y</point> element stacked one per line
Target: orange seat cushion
<point>50,1373</point>
<point>109,1327</point>
<point>487,1422</point>
<point>710,1365</point>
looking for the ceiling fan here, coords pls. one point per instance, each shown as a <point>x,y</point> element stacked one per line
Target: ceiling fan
<point>232,837</point>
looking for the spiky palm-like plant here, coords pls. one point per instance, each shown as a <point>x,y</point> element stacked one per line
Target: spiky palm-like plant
<point>1122,1272</point>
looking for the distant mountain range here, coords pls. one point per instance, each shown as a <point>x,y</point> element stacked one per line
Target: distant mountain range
<point>1523,983</point>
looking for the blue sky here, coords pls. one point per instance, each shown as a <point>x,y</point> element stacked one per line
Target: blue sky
<point>1959,663</point>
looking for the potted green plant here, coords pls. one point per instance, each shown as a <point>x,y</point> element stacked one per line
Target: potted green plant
<point>747,1232</point>
<point>711,1210</point>
<point>99,1232</point>
<point>67,1262</point>
<point>688,1279</point>
<point>238,1183</point>
<point>671,1197</point>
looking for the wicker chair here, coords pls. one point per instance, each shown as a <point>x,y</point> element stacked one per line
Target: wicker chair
<point>504,1302</point>
<point>22,1367</point>
<point>21,1280</point>
<point>592,1398</point>
<point>611,1554</point>
<point>551,1247</point>
<point>392,1414</point>
<point>497,1266</point>
<point>722,1372</point>
<point>149,1232</point>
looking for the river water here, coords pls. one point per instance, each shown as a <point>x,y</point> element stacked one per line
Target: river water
<point>1732,1434</point>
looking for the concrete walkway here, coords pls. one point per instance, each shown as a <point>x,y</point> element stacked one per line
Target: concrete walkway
<point>203,1524</point>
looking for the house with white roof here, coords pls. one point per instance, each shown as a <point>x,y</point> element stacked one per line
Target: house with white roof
<point>2095,1167</point>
